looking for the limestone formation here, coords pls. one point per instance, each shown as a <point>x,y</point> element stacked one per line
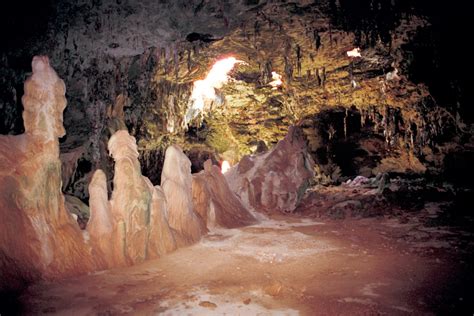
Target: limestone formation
<point>44,102</point>
<point>162,238</point>
<point>38,238</point>
<point>276,180</point>
<point>132,226</point>
<point>176,181</point>
<point>215,202</point>
<point>101,222</point>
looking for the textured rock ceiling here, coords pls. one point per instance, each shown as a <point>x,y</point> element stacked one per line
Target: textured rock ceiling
<point>131,64</point>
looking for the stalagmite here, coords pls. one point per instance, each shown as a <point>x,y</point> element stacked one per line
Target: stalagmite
<point>133,226</point>
<point>176,181</point>
<point>38,238</point>
<point>101,223</point>
<point>161,239</point>
<point>130,198</point>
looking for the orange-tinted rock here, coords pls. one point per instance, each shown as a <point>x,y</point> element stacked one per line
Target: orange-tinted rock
<point>101,223</point>
<point>130,199</point>
<point>176,181</point>
<point>162,239</point>
<point>133,226</point>
<point>44,102</point>
<point>38,238</point>
<point>276,180</point>
<point>215,202</point>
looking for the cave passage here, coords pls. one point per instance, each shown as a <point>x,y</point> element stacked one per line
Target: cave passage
<point>250,157</point>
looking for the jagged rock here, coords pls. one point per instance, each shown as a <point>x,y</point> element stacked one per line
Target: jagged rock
<point>215,202</point>
<point>38,237</point>
<point>276,180</point>
<point>176,181</point>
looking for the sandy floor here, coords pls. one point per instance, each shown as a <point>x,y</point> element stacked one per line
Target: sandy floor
<point>285,266</point>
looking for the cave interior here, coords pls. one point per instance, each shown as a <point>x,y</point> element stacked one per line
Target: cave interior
<point>251,157</point>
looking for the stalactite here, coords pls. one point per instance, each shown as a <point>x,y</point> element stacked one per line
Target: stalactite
<point>330,37</point>
<point>345,123</point>
<point>317,40</point>
<point>363,117</point>
<point>288,70</point>
<point>256,29</point>
<point>188,61</point>
<point>298,59</point>
<point>176,60</point>
<point>318,77</point>
<point>267,72</point>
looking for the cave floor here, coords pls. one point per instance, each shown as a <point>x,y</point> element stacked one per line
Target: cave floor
<point>284,266</point>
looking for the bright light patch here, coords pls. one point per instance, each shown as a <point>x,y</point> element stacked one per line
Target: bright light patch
<point>276,82</point>
<point>225,166</point>
<point>204,90</point>
<point>354,53</point>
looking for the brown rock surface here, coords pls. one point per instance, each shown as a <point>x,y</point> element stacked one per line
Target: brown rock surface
<point>276,180</point>
<point>215,202</point>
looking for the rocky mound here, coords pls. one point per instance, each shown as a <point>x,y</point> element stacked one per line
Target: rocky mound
<point>275,180</point>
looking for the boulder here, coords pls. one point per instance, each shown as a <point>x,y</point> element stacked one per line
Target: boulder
<point>215,202</point>
<point>275,180</point>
